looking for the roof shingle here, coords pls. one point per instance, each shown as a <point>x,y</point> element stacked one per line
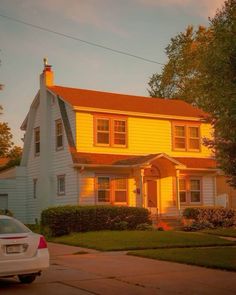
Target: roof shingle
<point>127,103</point>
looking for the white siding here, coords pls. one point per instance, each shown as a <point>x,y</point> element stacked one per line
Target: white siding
<point>208,190</point>
<point>15,189</point>
<point>61,160</point>
<point>60,164</point>
<point>32,173</point>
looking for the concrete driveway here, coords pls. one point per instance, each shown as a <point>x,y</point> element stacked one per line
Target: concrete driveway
<point>116,273</point>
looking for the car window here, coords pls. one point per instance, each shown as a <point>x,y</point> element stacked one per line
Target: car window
<point>11,226</point>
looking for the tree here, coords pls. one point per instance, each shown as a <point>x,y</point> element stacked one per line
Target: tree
<point>202,70</point>
<point>14,156</point>
<point>179,77</point>
<point>7,148</point>
<point>219,68</point>
<point>5,139</point>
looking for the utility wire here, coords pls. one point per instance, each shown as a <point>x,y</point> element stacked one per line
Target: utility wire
<point>80,40</point>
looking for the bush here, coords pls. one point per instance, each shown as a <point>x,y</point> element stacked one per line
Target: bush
<point>197,225</point>
<point>144,226</point>
<point>213,217</point>
<point>6,212</point>
<point>62,220</point>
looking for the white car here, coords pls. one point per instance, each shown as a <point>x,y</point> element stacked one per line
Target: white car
<point>22,252</point>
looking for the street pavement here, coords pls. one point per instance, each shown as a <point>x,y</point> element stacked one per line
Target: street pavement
<point>115,273</point>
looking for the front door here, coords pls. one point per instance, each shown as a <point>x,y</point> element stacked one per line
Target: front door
<point>151,193</point>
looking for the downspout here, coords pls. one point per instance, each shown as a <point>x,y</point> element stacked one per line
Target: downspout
<point>177,193</point>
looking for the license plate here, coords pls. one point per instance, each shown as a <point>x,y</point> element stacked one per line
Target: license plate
<point>11,249</point>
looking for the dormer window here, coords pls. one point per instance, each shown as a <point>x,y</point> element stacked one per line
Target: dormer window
<point>37,141</point>
<point>59,135</point>
<point>109,131</point>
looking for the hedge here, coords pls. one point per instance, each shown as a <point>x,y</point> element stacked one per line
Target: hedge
<point>62,220</point>
<point>215,217</point>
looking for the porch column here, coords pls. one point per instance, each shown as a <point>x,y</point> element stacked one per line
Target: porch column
<point>177,192</point>
<point>141,186</point>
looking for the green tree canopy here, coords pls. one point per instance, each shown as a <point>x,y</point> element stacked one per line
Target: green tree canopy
<point>7,147</point>
<point>201,69</point>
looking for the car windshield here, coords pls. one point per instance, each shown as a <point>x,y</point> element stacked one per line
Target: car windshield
<point>12,226</point>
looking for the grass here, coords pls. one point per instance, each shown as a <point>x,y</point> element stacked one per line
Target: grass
<point>132,240</point>
<point>219,257</point>
<point>226,232</point>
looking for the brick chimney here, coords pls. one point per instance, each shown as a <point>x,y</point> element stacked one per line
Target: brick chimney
<point>48,75</point>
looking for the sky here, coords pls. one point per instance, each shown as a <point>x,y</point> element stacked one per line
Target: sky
<point>139,27</point>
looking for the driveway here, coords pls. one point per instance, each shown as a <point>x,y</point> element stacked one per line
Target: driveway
<point>115,273</point>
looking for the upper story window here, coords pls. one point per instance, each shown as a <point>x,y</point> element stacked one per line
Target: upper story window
<point>59,134</point>
<point>61,185</point>
<point>110,131</point>
<point>112,189</point>
<point>190,190</point>
<point>37,141</point>
<point>186,137</point>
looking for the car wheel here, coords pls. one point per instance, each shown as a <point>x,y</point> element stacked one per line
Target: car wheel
<point>27,279</point>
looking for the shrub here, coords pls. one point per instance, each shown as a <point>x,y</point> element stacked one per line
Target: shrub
<point>6,212</point>
<point>214,217</point>
<point>122,225</point>
<point>198,225</point>
<point>144,226</point>
<point>62,220</point>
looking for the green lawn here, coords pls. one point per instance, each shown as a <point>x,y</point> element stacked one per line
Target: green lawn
<point>227,232</point>
<point>219,257</point>
<point>132,240</point>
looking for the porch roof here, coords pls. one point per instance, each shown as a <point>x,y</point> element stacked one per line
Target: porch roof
<point>118,160</point>
<point>198,163</point>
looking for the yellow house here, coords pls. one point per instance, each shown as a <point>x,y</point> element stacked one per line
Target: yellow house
<point>89,148</point>
<point>139,151</point>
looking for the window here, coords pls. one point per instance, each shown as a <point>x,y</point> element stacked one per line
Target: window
<point>110,132</point>
<point>61,185</point>
<point>37,141</point>
<point>182,191</point>
<point>194,139</point>
<point>186,138</point>
<point>35,188</point>
<point>195,191</point>
<point>190,190</point>
<point>119,132</point>
<point>103,189</point>
<point>120,190</point>
<point>112,189</point>
<point>103,131</point>
<point>59,135</point>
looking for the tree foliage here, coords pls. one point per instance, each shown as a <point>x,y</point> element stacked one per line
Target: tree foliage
<point>5,139</point>
<point>7,147</point>
<point>201,69</point>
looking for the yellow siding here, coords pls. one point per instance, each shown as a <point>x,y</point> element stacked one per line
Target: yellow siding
<point>167,206</point>
<point>145,136</point>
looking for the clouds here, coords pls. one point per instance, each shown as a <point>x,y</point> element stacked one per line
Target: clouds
<point>204,8</point>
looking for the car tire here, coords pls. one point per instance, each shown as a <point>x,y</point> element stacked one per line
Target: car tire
<point>27,279</point>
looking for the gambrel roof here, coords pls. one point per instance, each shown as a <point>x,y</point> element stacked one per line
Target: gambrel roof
<point>126,103</point>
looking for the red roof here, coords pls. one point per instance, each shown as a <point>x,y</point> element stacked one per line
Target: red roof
<point>198,162</point>
<point>127,103</point>
<point>129,160</point>
<point>110,159</point>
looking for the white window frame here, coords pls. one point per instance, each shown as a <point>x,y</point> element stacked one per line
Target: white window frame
<point>61,192</point>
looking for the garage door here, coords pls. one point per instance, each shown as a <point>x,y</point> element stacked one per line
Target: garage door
<point>3,201</point>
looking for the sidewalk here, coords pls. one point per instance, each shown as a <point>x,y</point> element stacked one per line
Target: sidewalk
<point>116,273</point>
